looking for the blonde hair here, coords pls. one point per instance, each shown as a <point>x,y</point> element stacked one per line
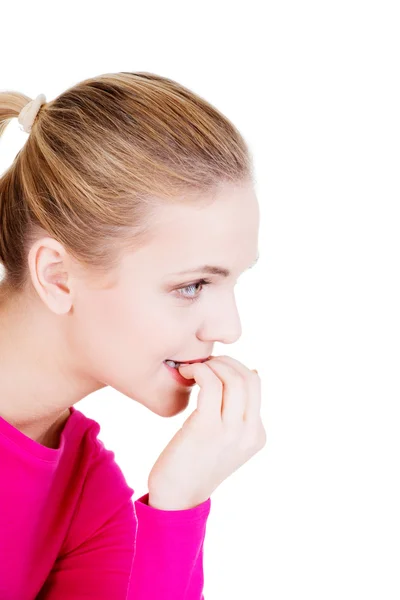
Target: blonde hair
<point>99,160</point>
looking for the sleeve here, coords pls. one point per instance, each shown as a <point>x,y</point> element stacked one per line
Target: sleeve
<point>168,562</point>
<point>157,555</point>
<point>123,550</point>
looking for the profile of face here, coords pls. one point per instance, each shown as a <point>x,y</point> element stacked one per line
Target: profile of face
<point>121,336</point>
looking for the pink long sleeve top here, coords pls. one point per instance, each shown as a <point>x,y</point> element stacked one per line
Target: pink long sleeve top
<point>69,528</point>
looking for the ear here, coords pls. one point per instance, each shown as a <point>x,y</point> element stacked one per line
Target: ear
<point>49,267</point>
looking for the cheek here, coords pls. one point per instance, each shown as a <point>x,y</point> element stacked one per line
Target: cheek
<point>119,333</point>
<point>122,342</point>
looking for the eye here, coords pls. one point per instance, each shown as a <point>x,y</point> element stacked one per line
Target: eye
<point>201,282</point>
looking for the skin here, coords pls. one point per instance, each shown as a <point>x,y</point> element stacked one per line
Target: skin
<point>66,337</point>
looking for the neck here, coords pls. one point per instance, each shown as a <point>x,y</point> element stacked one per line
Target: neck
<point>38,378</point>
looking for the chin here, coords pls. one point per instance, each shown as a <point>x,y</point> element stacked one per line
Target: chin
<point>169,405</point>
<point>169,411</point>
<point>165,402</point>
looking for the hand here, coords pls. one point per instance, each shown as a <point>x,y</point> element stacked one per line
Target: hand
<point>221,434</point>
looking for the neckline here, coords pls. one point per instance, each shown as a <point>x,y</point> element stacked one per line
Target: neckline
<point>35,448</point>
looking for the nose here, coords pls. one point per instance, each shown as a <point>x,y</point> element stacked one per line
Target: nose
<point>222,325</point>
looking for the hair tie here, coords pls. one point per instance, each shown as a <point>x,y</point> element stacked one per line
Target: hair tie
<point>28,114</point>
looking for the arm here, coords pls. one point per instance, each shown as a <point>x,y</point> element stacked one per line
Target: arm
<point>139,553</point>
<point>168,564</point>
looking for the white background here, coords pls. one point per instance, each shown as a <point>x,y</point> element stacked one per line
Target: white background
<point>314,89</point>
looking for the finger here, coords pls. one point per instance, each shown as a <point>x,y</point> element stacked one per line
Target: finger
<point>236,364</point>
<point>253,383</point>
<point>209,399</point>
<point>234,392</point>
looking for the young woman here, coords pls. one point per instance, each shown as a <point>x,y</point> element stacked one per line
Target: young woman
<point>125,222</point>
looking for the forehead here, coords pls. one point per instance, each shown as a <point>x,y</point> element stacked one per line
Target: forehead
<point>221,229</point>
<point>231,214</point>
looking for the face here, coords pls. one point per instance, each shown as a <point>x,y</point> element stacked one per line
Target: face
<point>122,335</point>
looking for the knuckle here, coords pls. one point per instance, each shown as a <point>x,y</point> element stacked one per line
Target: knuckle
<point>237,378</point>
<point>247,446</point>
<point>255,440</point>
<point>228,370</point>
<point>262,438</point>
<point>249,442</point>
<point>255,380</point>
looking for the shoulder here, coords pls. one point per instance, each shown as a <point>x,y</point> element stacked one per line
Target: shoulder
<point>103,494</point>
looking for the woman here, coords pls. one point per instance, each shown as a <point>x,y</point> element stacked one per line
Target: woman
<point>125,221</point>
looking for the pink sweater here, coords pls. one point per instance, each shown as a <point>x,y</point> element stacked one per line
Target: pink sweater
<point>69,528</point>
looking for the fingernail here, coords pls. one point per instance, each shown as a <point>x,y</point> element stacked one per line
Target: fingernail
<point>255,371</point>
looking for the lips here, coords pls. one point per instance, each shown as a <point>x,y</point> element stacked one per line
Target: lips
<point>190,362</point>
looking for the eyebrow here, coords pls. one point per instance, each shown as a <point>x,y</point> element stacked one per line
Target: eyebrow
<point>213,270</point>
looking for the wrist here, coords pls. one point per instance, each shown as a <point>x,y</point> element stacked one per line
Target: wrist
<point>162,503</point>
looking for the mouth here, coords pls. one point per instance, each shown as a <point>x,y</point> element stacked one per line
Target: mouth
<point>176,364</point>
<point>174,371</point>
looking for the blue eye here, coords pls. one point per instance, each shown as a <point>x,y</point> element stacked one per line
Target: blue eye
<point>201,282</point>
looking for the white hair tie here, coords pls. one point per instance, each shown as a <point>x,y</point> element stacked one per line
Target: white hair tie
<point>28,114</point>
